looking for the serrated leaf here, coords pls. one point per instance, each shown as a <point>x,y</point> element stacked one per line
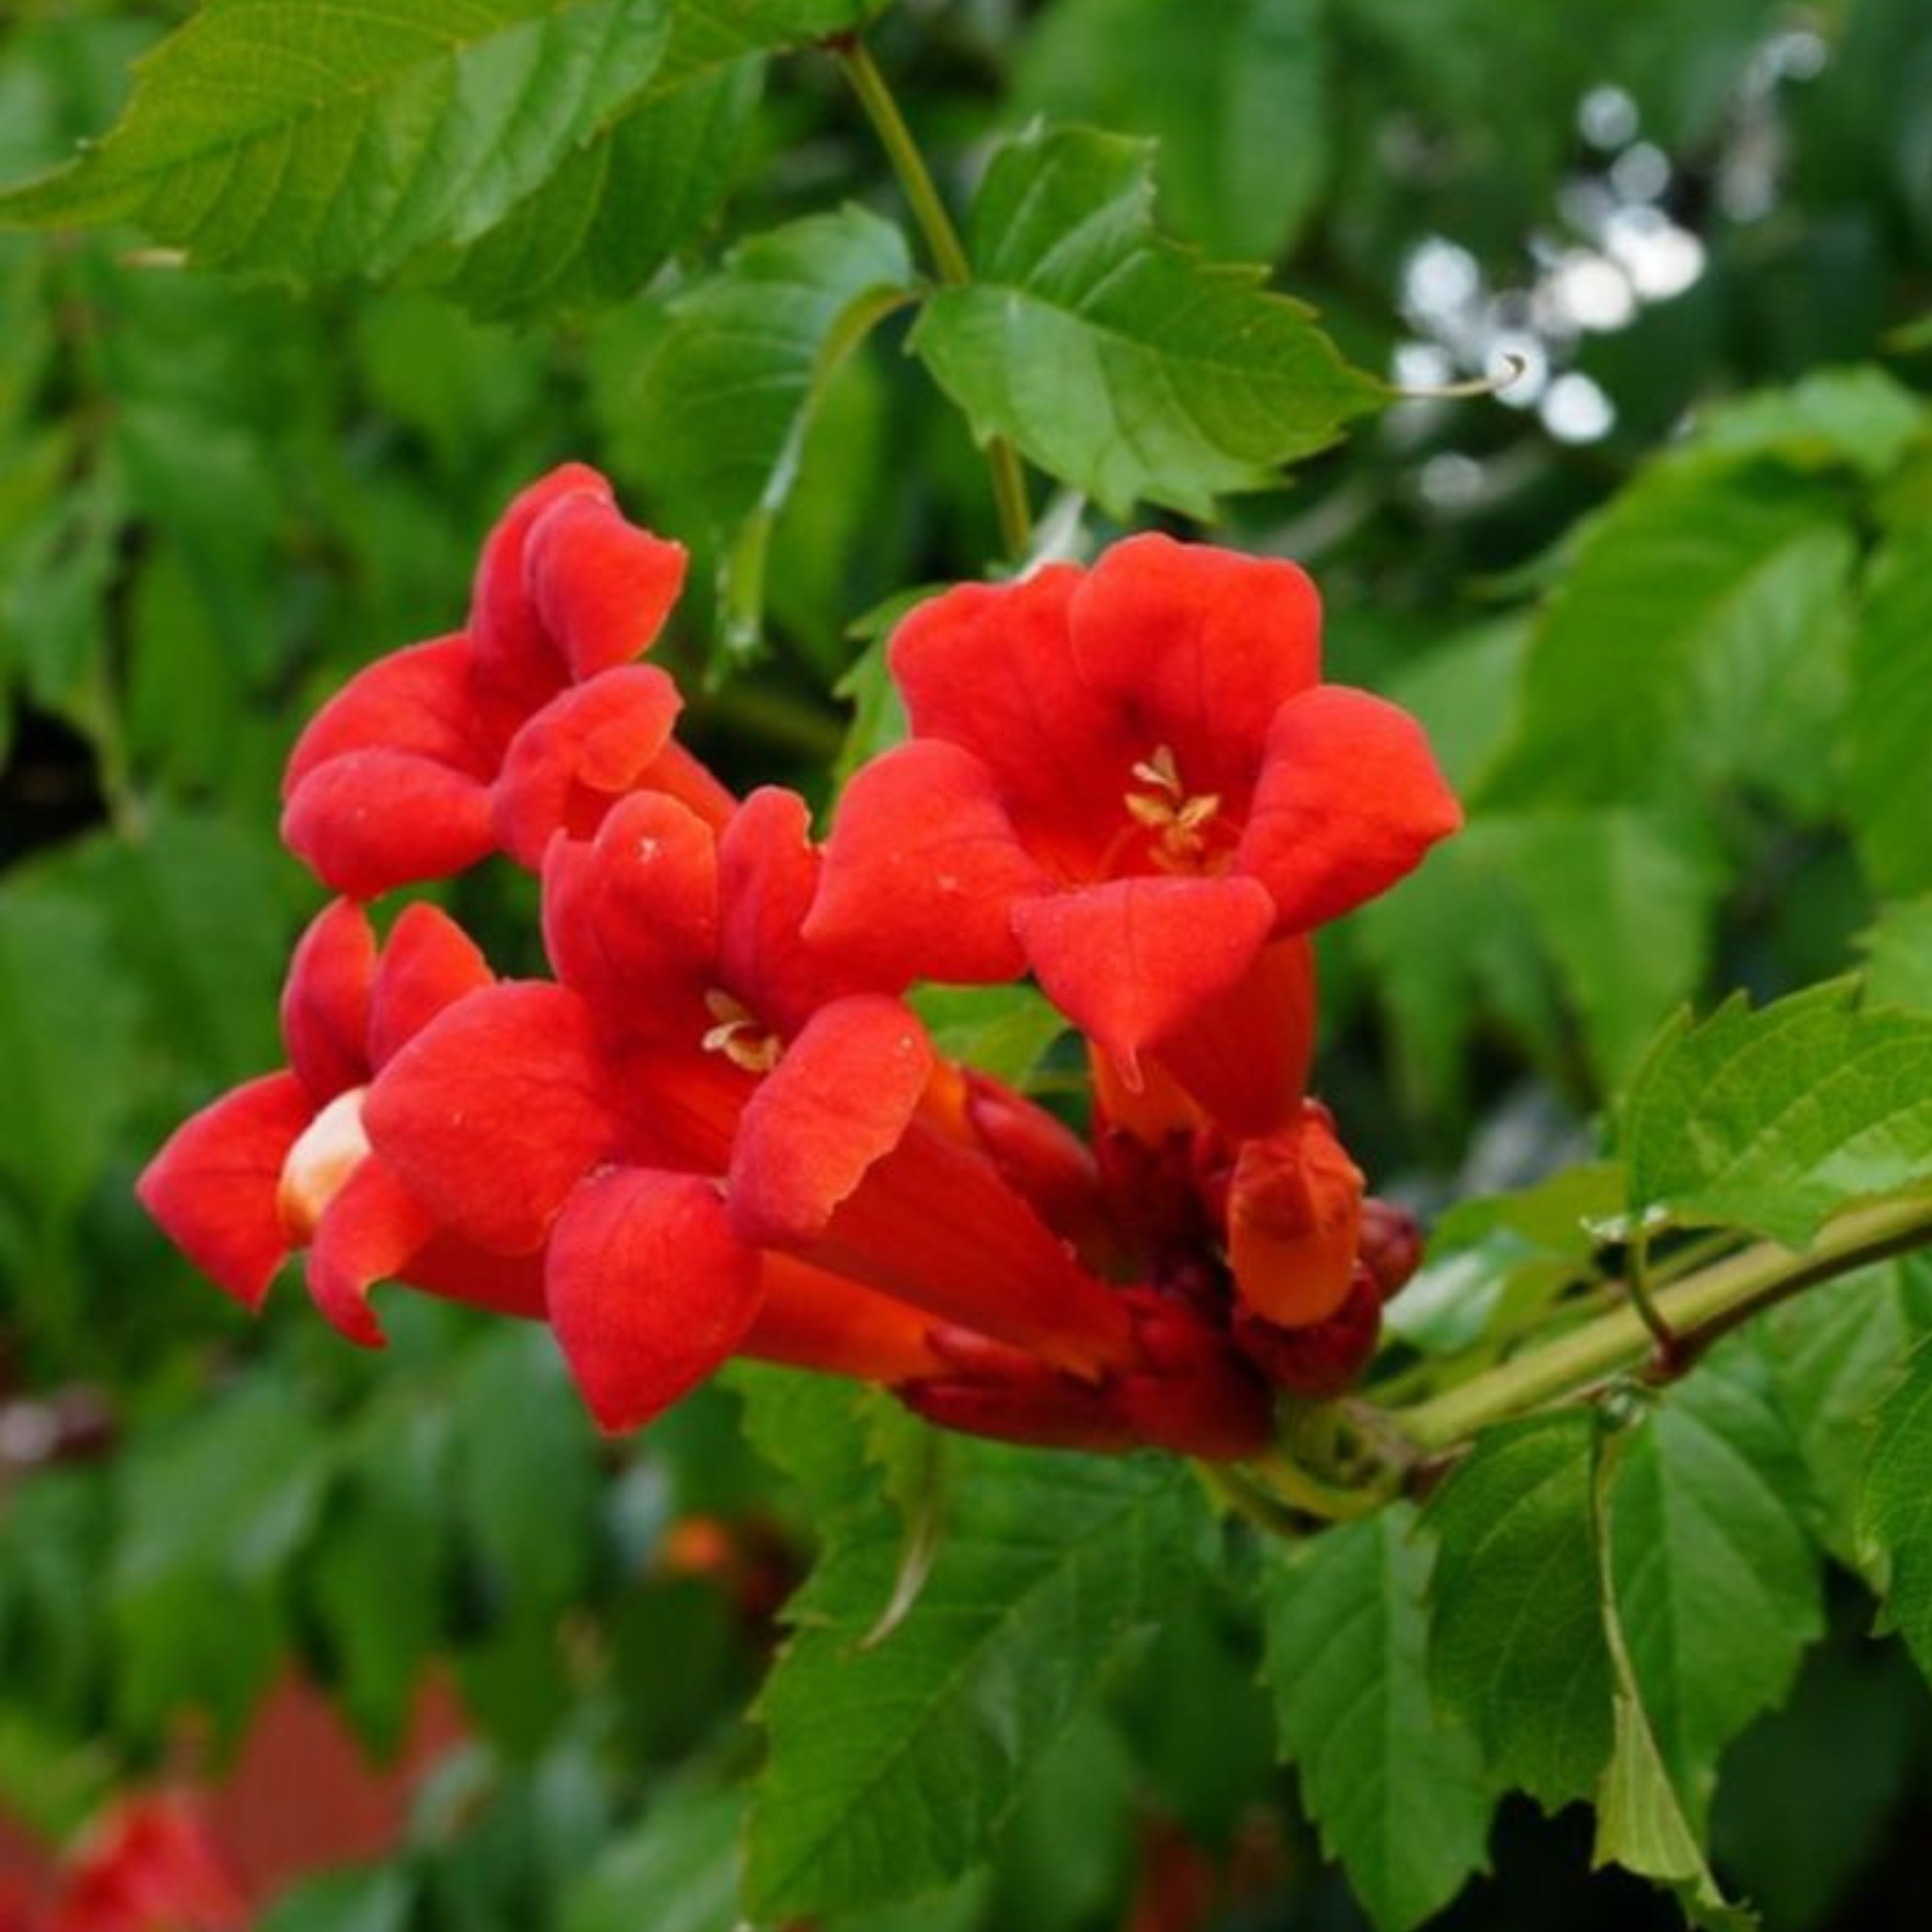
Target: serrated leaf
<point>1683,641</point>
<point>618,208</point>
<point>1233,90</point>
<point>1516,1641</point>
<point>711,32</point>
<point>1641,1821</point>
<point>1775,1119</point>
<point>1895,1521</point>
<point>722,402</point>
<point>1399,1795</point>
<point>891,1767</point>
<point>1714,1581</point>
<point>322,140</point>
<point>1832,1353</point>
<point>1888,778</point>
<point>1117,361</point>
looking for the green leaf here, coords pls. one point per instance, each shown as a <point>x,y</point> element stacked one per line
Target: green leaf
<point>721,404</point>
<point>526,1493</point>
<point>1641,1821</point>
<point>890,1767</point>
<point>378,1575</point>
<point>379,1900</point>
<point>1895,1520</point>
<point>1810,1796</point>
<point>1888,778</point>
<point>712,32</point>
<point>618,207</point>
<point>1003,1030</point>
<point>1490,1253</point>
<point>1715,1581</point>
<point>1516,1641</point>
<point>1857,416</point>
<point>1898,949</point>
<point>1832,1353</point>
<point>1773,1120</point>
<point>1235,92</point>
<point>1682,647</point>
<point>322,140</point>
<point>681,1864</point>
<point>1590,880</point>
<point>67,1040</point>
<point>1399,1795</point>
<point>211,1511</point>
<point>1116,360</point>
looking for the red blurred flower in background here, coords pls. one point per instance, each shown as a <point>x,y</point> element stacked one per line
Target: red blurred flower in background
<point>149,1866</point>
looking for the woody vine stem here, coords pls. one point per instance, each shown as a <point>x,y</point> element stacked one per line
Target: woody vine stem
<point>1694,1311</point>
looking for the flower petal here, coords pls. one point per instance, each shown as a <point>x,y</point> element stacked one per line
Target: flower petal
<point>631,919</point>
<point>649,1290</point>
<point>922,870</point>
<point>1350,800</point>
<point>494,1112</point>
<point>1128,962</point>
<point>325,1002</point>
<point>366,1235</point>
<point>421,699</point>
<point>213,1187</point>
<point>989,667</point>
<point>514,651</point>
<point>839,1100</point>
<point>602,586</point>
<point>372,820</point>
<point>1200,646</point>
<point>587,747</point>
<point>812,1319</point>
<point>428,962</point>
<point>376,1230</point>
<point>1244,1053</point>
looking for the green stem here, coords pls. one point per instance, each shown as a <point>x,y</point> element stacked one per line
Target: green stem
<point>1697,1309</point>
<point>949,256</point>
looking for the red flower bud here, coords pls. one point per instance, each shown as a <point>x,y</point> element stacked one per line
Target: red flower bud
<point>1390,1245</point>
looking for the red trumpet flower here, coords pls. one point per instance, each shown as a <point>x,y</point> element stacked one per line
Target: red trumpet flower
<point>282,1162</point>
<point>1129,781</point>
<point>532,717</point>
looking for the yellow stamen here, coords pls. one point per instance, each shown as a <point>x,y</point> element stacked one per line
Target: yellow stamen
<point>738,1036</point>
<point>1178,822</point>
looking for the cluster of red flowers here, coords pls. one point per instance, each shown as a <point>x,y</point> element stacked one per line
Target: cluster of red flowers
<point>719,1129</point>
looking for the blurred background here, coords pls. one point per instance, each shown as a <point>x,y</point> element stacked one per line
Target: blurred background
<point>434,1654</point>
